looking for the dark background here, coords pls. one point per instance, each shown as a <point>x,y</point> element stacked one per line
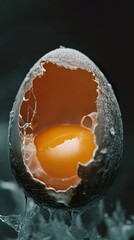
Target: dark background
<point>103,30</point>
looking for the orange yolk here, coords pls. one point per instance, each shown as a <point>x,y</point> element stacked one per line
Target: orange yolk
<point>61,148</point>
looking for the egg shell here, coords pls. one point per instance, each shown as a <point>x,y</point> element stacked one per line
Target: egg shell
<point>98,176</point>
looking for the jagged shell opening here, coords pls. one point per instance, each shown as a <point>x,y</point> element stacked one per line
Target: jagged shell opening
<point>61,96</point>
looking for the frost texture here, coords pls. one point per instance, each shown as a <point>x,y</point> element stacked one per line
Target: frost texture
<point>55,224</point>
<point>32,116</point>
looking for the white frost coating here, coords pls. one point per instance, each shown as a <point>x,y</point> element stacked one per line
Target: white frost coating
<point>32,116</point>
<point>38,71</point>
<point>112,131</point>
<point>28,149</point>
<point>104,151</point>
<point>29,155</point>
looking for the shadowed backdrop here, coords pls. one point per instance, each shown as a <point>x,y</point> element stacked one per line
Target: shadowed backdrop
<point>103,30</point>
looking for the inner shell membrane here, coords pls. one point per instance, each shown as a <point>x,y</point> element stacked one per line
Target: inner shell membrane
<point>60,97</point>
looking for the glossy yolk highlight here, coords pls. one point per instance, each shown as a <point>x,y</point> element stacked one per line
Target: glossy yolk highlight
<point>60,149</point>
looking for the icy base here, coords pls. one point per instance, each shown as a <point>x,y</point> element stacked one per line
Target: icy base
<point>49,224</point>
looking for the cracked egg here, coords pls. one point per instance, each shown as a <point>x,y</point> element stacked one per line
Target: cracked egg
<point>65,131</point>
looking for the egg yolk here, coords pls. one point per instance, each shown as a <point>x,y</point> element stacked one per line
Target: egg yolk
<point>60,149</point>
